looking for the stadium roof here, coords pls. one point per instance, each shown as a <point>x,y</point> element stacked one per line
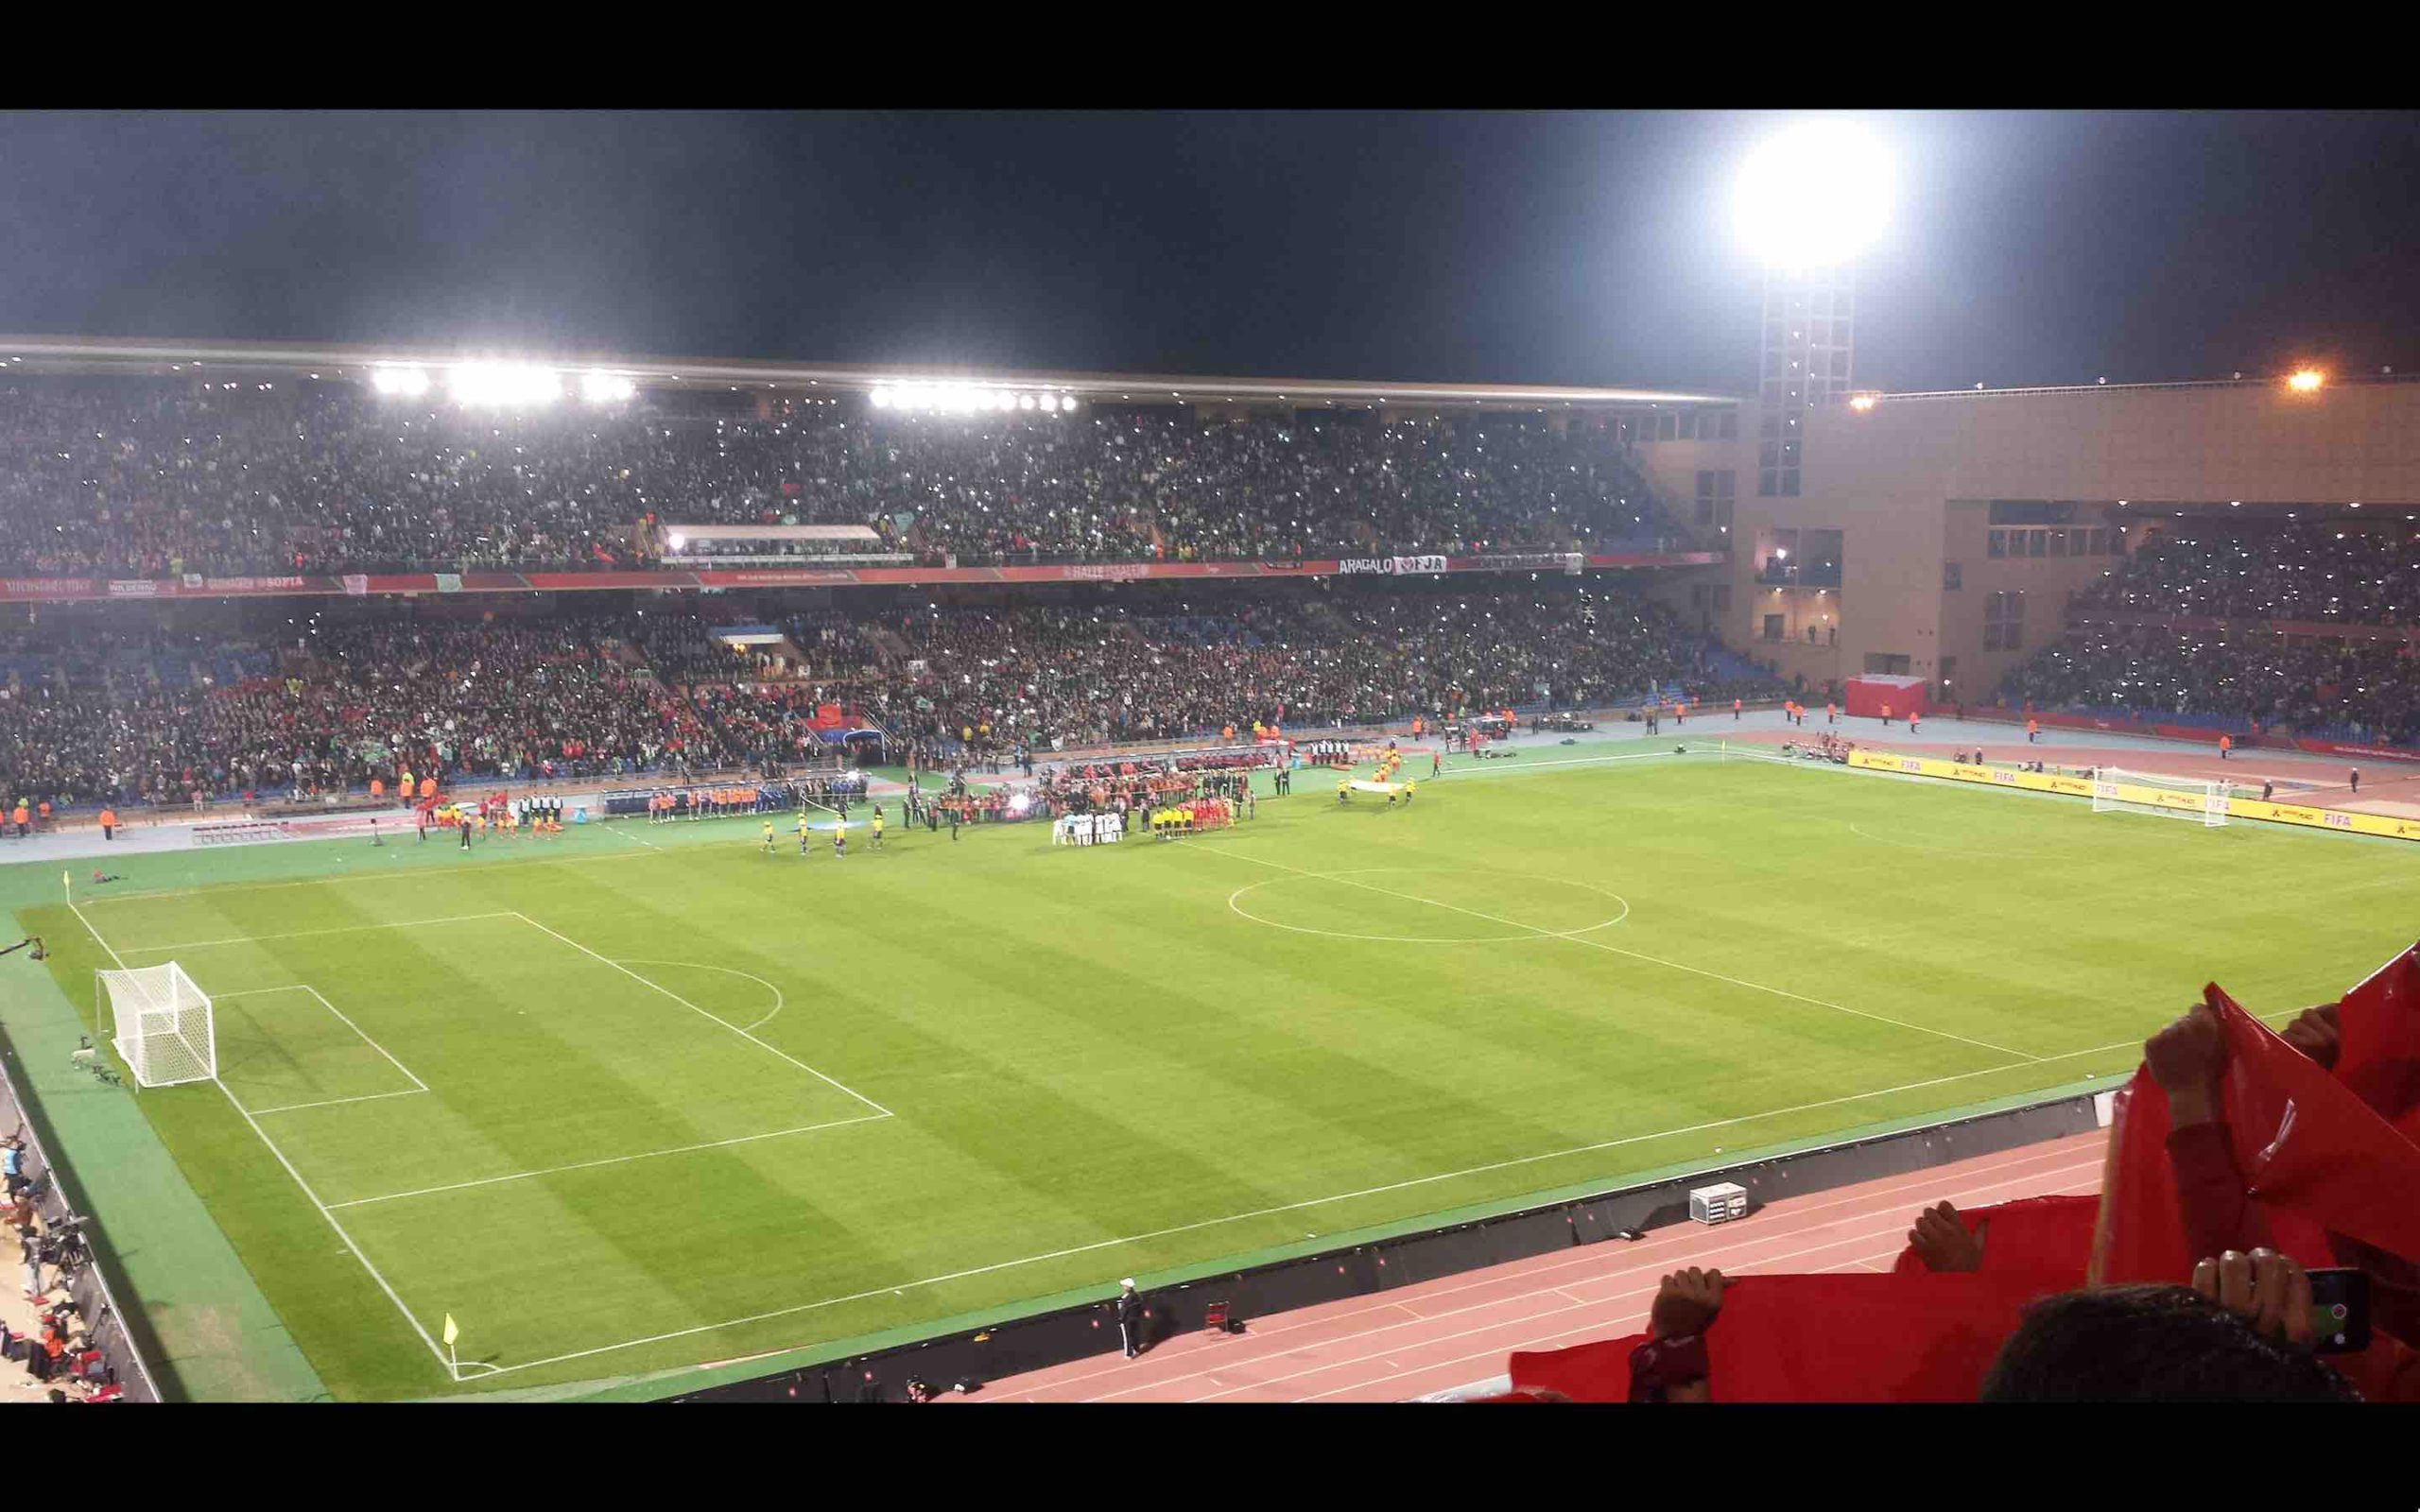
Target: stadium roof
<point>106,355</point>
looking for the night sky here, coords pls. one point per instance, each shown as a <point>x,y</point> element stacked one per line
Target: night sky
<point>1590,249</point>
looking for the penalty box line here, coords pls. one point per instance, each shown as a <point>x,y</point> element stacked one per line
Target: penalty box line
<point>829,1081</point>
<point>465,918</point>
<point>436,1352</point>
<point>417,1085</point>
<point>454,1369</point>
<point>2021,1055</point>
<point>611,1160</point>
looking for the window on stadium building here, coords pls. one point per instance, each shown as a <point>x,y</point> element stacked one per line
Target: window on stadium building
<point>2004,621</point>
<point>1716,489</point>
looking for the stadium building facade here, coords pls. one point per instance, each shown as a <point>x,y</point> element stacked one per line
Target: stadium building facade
<point>1942,535</point>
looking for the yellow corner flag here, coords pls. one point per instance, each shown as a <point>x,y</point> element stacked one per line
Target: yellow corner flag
<point>451,1331</point>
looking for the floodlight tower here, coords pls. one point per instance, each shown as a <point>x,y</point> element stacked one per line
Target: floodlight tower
<point>1809,200</point>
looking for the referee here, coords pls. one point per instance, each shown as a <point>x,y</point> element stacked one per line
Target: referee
<point>1129,1318</point>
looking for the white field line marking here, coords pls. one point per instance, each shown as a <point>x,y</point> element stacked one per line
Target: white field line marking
<point>1535,933</point>
<point>354,1249</point>
<point>1616,950</point>
<point>334,1102</point>
<point>703,1014</point>
<point>298,933</point>
<point>1760,1264</point>
<point>416,874</point>
<point>1790,1226</point>
<point>1893,1188</point>
<point>365,1038</point>
<point>1510,768</point>
<point>614,829</point>
<point>616,1159</point>
<point>1294,1207</point>
<point>1596,1326</point>
<point>779,1001</point>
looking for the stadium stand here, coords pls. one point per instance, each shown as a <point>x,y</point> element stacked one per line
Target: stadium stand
<point>327,705</point>
<point>2231,630</point>
<point>145,476</point>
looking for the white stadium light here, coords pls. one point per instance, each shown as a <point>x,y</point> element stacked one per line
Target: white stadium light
<point>409,382</point>
<point>1026,401</point>
<point>504,382</point>
<point>606,387</point>
<point>676,540</point>
<point>1067,403</point>
<point>1814,195</point>
<point>882,399</point>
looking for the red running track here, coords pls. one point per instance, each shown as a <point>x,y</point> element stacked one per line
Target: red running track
<point>1455,1332</point>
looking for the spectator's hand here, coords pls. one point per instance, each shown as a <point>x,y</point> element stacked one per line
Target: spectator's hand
<point>1943,1242</point>
<point>2268,1290</point>
<point>2315,1032</point>
<point>1686,1303</point>
<point>2186,1058</point>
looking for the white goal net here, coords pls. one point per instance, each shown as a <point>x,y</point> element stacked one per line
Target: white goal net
<point>159,1023</point>
<point>2116,790</point>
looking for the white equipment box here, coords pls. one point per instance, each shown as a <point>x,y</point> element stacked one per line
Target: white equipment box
<point>1719,1204</point>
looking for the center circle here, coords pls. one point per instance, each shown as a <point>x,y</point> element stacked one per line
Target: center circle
<point>1510,929</point>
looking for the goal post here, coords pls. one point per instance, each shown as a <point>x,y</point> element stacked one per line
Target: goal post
<point>161,1024</point>
<point>2116,790</point>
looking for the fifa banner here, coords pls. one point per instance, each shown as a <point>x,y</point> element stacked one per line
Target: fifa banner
<point>1391,564</point>
<point>2238,808</point>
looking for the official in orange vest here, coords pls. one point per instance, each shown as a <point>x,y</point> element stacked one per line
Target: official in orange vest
<point>377,788</point>
<point>109,823</point>
<point>2226,744</point>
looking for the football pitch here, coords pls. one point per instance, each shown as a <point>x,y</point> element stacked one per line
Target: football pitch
<point>647,1096</point>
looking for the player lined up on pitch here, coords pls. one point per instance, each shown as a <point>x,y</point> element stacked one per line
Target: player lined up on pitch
<point>805,825</point>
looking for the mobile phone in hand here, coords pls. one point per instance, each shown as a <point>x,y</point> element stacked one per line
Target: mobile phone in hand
<point>2340,1310</point>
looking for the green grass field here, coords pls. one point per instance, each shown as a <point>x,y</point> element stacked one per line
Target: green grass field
<point>652,1097</point>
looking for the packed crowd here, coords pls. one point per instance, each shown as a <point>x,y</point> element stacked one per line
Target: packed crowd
<point>350,703</point>
<point>151,477</point>
<point>2311,572</point>
<point>2244,674</point>
<point>2259,678</point>
<point>1052,679</point>
<point>327,705</point>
